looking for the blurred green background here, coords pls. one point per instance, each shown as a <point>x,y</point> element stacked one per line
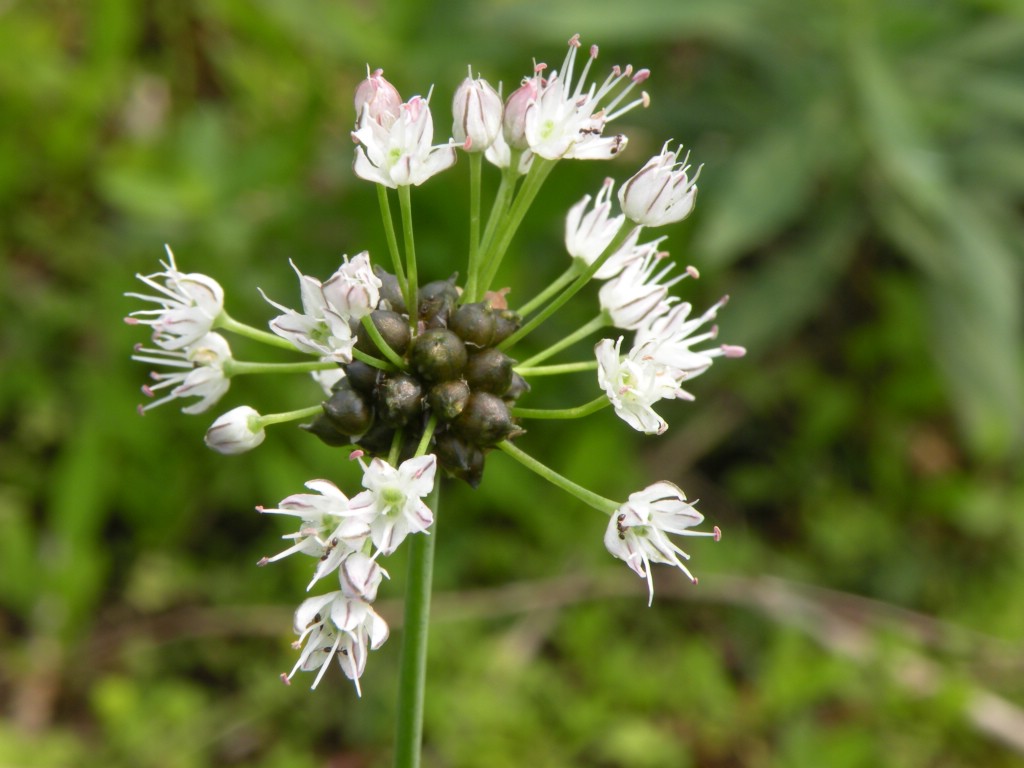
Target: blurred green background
<point>861,200</point>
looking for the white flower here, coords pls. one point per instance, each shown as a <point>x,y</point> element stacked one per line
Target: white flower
<point>669,340</point>
<point>321,328</point>
<point>392,499</point>
<point>336,626</point>
<point>400,154</point>
<point>638,530</point>
<point>328,528</point>
<point>633,384</point>
<point>636,295</point>
<point>477,112</point>
<point>200,372</point>
<point>360,576</point>
<point>328,378</point>
<point>237,431</point>
<point>589,231</point>
<point>566,120</point>
<point>189,305</point>
<point>661,192</point>
<point>354,290</point>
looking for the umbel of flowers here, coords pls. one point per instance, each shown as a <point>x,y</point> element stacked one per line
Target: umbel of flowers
<point>420,378</point>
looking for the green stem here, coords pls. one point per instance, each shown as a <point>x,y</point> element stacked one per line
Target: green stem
<point>475,164</point>
<point>225,322</point>
<point>504,233</point>
<point>554,370</point>
<point>241,367</point>
<point>386,350</point>
<point>428,433</point>
<point>372,361</point>
<point>405,202</point>
<point>562,413</point>
<point>413,671</point>
<point>600,503</point>
<point>581,333</point>
<point>499,208</point>
<point>389,235</point>
<point>571,291</point>
<point>277,418</point>
<point>560,282</point>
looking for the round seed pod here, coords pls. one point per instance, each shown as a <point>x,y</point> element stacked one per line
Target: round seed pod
<point>460,458</point>
<point>392,326</point>
<point>348,411</point>
<point>321,427</point>
<point>438,355</point>
<point>517,388</point>
<point>485,420</point>
<point>390,293</point>
<point>437,301</point>
<point>361,377</point>
<point>448,399</point>
<point>506,322</point>
<point>399,399</point>
<point>474,323</point>
<point>490,370</point>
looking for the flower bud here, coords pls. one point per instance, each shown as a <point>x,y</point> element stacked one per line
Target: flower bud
<point>438,355</point>
<point>477,112</point>
<point>377,99</point>
<point>392,326</point>
<point>448,399</point>
<point>348,411</point>
<point>399,399</point>
<point>485,420</point>
<point>518,104</point>
<point>490,370</point>
<point>237,431</point>
<point>474,323</point>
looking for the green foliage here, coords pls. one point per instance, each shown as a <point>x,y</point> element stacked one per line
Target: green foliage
<point>861,201</point>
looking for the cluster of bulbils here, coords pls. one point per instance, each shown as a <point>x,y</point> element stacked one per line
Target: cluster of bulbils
<point>417,377</point>
<point>452,371</point>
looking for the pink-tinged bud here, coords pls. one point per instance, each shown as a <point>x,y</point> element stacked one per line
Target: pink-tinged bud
<point>662,192</point>
<point>378,98</point>
<point>517,106</point>
<point>477,112</point>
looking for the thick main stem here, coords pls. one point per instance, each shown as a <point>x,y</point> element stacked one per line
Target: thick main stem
<point>413,674</point>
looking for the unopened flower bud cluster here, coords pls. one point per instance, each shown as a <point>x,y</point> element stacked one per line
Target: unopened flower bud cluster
<point>419,377</point>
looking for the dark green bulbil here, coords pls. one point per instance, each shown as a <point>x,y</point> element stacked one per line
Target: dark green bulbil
<point>506,322</point>
<point>348,411</point>
<point>321,427</point>
<point>516,389</point>
<point>437,300</point>
<point>474,323</point>
<point>485,420</point>
<point>448,399</point>
<point>392,326</point>
<point>460,457</point>
<point>362,377</point>
<point>438,355</point>
<point>490,370</point>
<point>390,293</point>
<point>399,399</point>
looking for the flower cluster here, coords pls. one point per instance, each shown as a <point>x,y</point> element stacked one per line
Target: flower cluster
<point>416,378</point>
